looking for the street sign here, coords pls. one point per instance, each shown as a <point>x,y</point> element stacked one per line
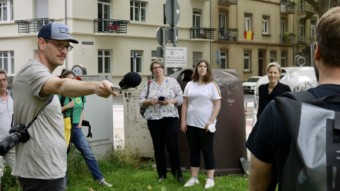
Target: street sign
<point>175,57</point>
<point>172,12</point>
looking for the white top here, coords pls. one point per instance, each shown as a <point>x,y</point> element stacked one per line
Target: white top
<point>6,112</point>
<point>200,102</point>
<point>44,155</point>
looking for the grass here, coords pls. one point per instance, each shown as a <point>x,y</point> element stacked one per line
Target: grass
<point>127,172</point>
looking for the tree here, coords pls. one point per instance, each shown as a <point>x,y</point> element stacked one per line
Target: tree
<point>321,6</point>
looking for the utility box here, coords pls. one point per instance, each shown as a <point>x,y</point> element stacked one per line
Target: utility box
<point>137,137</point>
<point>230,135</point>
<point>98,111</point>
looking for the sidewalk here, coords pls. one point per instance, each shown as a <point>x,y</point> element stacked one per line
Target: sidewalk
<point>249,106</point>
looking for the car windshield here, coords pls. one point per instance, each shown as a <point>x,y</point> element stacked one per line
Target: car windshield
<point>253,79</point>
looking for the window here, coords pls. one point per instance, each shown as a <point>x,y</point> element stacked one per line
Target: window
<point>223,59</point>
<point>223,20</point>
<point>265,25</point>
<point>7,61</point>
<point>246,60</point>
<point>283,58</point>
<point>136,60</point>
<point>312,28</point>
<point>137,11</point>
<point>196,18</point>
<point>104,9</point>
<point>104,61</point>
<point>6,10</point>
<point>272,56</point>
<point>248,22</point>
<point>283,28</point>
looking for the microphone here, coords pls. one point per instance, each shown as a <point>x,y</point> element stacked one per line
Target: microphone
<point>130,80</point>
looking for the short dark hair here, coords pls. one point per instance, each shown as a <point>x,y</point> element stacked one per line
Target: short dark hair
<point>207,78</point>
<point>65,73</point>
<point>328,37</point>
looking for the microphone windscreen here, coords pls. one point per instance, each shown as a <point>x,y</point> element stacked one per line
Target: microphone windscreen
<point>130,80</point>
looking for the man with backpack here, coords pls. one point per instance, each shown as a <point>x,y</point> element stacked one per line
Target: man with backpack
<point>274,142</point>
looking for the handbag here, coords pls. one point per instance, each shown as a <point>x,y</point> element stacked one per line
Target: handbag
<point>143,109</point>
<point>67,130</point>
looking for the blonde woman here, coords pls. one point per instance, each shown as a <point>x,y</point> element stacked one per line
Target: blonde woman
<point>274,88</point>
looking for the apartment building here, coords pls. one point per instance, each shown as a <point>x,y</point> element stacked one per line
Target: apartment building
<point>118,36</point>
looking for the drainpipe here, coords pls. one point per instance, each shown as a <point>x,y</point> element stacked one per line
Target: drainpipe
<point>66,60</point>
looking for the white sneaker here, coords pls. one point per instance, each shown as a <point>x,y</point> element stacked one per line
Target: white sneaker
<point>209,183</point>
<point>192,181</point>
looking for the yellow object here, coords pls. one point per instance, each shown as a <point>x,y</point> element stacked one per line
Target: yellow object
<point>67,130</point>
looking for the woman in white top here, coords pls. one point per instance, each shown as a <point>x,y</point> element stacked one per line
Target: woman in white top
<point>201,105</point>
<point>163,119</point>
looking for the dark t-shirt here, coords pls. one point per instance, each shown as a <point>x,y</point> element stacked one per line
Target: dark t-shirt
<point>265,97</point>
<point>269,140</point>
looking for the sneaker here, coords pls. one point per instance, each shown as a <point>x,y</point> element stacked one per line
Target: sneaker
<point>245,165</point>
<point>209,183</point>
<point>104,183</point>
<point>161,180</point>
<point>192,181</point>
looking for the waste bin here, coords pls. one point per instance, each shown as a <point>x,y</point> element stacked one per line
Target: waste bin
<point>229,145</point>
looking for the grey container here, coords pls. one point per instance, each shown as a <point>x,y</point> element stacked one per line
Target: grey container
<point>230,135</point>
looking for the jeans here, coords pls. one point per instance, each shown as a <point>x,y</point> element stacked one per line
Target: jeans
<point>164,132</point>
<point>31,184</point>
<point>80,142</point>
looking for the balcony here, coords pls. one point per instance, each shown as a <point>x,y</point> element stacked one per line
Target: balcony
<point>305,8</point>
<point>32,25</point>
<point>305,40</point>
<point>287,39</point>
<point>228,34</point>
<point>287,7</point>
<point>227,2</point>
<point>110,26</point>
<point>202,33</point>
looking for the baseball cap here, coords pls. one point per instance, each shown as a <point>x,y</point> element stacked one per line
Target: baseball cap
<point>56,31</point>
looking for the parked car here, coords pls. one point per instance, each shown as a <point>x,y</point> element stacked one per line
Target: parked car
<point>298,79</point>
<point>249,85</point>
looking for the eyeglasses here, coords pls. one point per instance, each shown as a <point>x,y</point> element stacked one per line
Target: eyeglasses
<point>60,46</point>
<point>157,67</point>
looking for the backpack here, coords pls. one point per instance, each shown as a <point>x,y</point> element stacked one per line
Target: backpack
<point>85,122</point>
<point>313,162</point>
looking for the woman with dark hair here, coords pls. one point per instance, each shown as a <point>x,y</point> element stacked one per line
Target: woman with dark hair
<point>201,105</point>
<point>161,97</point>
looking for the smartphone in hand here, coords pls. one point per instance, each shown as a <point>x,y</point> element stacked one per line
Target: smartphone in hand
<point>161,98</point>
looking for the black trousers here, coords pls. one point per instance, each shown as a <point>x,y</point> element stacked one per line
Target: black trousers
<point>164,132</point>
<point>30,184</point>
<point>200,140</point>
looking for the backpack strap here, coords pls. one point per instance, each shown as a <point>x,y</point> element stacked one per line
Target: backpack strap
<point>303,96</point>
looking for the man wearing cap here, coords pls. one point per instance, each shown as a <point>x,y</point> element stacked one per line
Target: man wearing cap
<point>41,161</point>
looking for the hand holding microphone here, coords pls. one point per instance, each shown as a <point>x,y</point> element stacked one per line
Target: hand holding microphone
<point>130,80</point>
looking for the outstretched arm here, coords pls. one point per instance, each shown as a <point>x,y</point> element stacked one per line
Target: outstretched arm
<point>75,88</point>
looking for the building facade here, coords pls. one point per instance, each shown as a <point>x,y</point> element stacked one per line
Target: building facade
<point>119,36</point>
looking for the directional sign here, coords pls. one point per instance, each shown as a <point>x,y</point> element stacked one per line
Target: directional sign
<point>176,57</point>
<point>172,12</point>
